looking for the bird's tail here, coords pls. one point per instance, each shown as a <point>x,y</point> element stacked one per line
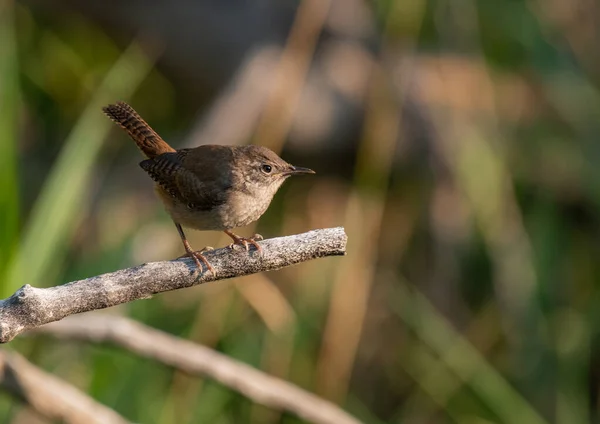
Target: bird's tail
<point>149,142</point>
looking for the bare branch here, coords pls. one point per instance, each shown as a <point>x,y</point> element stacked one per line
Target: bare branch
<point>50,396</point>
<point>200,360</point>
<point>31,307</point>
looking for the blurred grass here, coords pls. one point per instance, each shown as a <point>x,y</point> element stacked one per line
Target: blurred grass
<point>459,358</point>
<point>573,355</point>
<point>9,119</point>
<point>57,210</point>
<point>363,221</point>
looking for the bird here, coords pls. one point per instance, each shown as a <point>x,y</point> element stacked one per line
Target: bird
<point>208,187</point>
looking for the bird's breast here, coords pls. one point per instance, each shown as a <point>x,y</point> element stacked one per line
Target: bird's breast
<point>238,210</point>
<point>242,209</point>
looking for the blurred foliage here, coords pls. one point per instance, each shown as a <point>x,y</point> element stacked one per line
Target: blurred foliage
<point>469,293</point>
<point>9,106</point>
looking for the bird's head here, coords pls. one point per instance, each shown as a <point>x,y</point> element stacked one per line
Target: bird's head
<point>264,171</point>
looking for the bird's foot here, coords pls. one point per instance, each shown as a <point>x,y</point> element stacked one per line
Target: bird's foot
<point>245,242</point>
<point>198,256</point>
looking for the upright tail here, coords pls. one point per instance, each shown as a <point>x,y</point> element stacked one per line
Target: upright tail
<point>149,142</point>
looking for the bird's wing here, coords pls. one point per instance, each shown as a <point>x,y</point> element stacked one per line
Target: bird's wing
<point>167,170</point>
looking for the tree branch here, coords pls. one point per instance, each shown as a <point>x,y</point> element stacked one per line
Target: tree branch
<point>200,360</point>
<point>50,396</point>
<point>31,307</point>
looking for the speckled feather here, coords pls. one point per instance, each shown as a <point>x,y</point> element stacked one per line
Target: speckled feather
<point>149,142</point>
<point>198,191</point>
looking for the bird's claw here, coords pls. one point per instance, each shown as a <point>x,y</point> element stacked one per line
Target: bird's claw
<point>246,242</point>
<point>197,256</point>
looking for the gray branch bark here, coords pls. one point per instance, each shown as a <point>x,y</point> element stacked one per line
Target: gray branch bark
<point>50,396</point>
<point>31,307</point>
<point>200,360</point>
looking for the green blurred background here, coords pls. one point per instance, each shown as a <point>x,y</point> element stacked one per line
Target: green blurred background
<point>455,140</point>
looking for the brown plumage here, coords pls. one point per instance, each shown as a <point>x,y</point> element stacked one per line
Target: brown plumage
<point>208,187</point>
<point>150,143</point>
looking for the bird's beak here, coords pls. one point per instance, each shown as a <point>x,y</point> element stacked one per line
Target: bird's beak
<point>296,170</point>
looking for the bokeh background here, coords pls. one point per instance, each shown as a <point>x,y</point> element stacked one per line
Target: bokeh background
<point>455,140</point>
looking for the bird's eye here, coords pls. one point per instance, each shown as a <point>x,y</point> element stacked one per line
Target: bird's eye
<point>267,169</point>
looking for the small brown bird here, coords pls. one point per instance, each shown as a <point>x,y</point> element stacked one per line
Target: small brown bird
<point>208,187</point>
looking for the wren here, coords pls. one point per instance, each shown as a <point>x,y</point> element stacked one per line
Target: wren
<point>209,187</point>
